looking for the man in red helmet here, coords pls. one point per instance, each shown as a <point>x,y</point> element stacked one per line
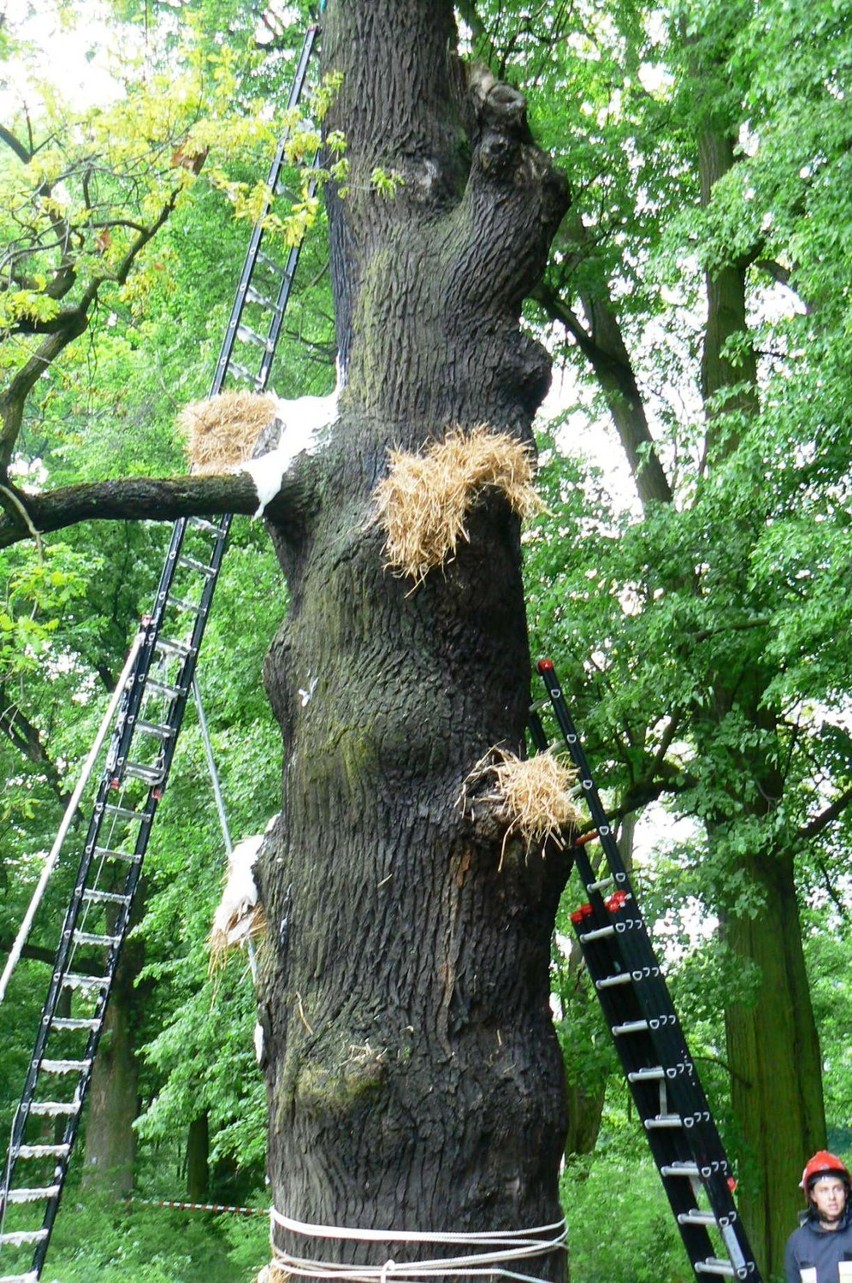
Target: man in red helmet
<point>820,1250</point>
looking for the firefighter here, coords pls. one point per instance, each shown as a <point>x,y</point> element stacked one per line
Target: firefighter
<point>820,1250</point>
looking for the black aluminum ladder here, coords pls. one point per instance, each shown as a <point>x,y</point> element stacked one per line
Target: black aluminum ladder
<point>646,1032</point>
<point>144,735</point>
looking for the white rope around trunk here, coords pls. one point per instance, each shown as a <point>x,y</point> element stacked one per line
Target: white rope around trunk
<point>493,1251</point>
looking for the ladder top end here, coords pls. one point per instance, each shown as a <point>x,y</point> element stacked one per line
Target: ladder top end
<point>545,665</point>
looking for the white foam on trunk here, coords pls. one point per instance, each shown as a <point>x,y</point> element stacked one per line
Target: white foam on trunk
<point>232,918</point>
<point>304,422</point>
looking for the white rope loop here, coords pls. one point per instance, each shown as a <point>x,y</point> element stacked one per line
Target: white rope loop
<point>493,1251</point>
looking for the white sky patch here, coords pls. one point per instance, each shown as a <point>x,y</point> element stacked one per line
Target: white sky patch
<point>70,55</point>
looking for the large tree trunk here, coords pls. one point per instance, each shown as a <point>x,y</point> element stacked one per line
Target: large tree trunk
<point>414,1077</point>
<point>773,1050</point>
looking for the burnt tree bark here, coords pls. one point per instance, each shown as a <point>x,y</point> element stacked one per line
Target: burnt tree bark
<point>414,1078</point>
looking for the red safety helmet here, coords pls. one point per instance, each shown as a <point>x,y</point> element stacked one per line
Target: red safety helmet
<point>824,1164</point>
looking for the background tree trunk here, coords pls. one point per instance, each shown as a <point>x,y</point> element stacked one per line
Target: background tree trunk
<point>114,1093</point>
<point>414,1077</point>
<point>110,1155</point>
<point>198,1159</point>
<point>776,1089</point>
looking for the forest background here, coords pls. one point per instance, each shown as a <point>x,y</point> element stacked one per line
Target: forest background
<point>691,576</point>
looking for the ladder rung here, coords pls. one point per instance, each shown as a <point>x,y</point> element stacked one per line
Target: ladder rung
<point>646,1075</point>
<point>169,645</point>
<point>54,1108</point>
<point>69,1022</point>
<point>154,687</point>
<point>247,335</point>
<point>663,1120</point>
<point>194,608</point>
<point>21,1237</point>
<point>681,1169</point>
<point>124,812</point>
<point>160,730</point>
<point>105,897</point>
<point>254,296</point>
<point>201,523</point>
<point>110,853</point>
<point>623,978</point>
<point>713,1265</point>
<point>148,774</point>
<point>600,886</point>
<point>71,981</point>
<point>30,1277</point>
<point>696,1217</point>
<point>44,1151</point>
<point>268,262</point>
<point>88,937</point>
<point>31,1195</point>
<point>238,371</point>
<point>631,1027</point>
<point>201,567</point>
<point>601,933</point>
<point>64,1066</point>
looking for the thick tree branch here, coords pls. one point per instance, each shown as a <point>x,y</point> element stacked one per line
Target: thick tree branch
<point>37,954</point>
<point>26,738</point>
<point>129,499</point>
<point>820,822</point>
<point>23,153</point>
<point>606,352</point>
<point>71,324</point>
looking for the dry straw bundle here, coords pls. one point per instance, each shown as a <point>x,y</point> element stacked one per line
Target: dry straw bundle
<point>236,933</point>
<point>423,501</point>
<point>534,792</point>
<point>222,431</point>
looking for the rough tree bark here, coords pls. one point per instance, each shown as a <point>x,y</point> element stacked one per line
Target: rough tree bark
<point>414,1078</point>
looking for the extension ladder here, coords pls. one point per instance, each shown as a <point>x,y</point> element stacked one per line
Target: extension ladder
<point>145,731</point>
<point>646,1032</point>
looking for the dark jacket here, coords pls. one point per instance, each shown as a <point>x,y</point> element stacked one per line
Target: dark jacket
<point>810,1245</point>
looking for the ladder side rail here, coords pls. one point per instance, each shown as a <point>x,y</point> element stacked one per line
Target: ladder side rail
<point>257,232</point>
<point>61,960</point>
<point>575,747</point>
<point>190,661</point>
<point>605,955</point>
<point>620,1006</point>
<point>636,943</point>
<point>70,811</point>
<point>152,623</point>
<point>72,1125</point>
<point>652,992</point>
<point>284,295</point>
